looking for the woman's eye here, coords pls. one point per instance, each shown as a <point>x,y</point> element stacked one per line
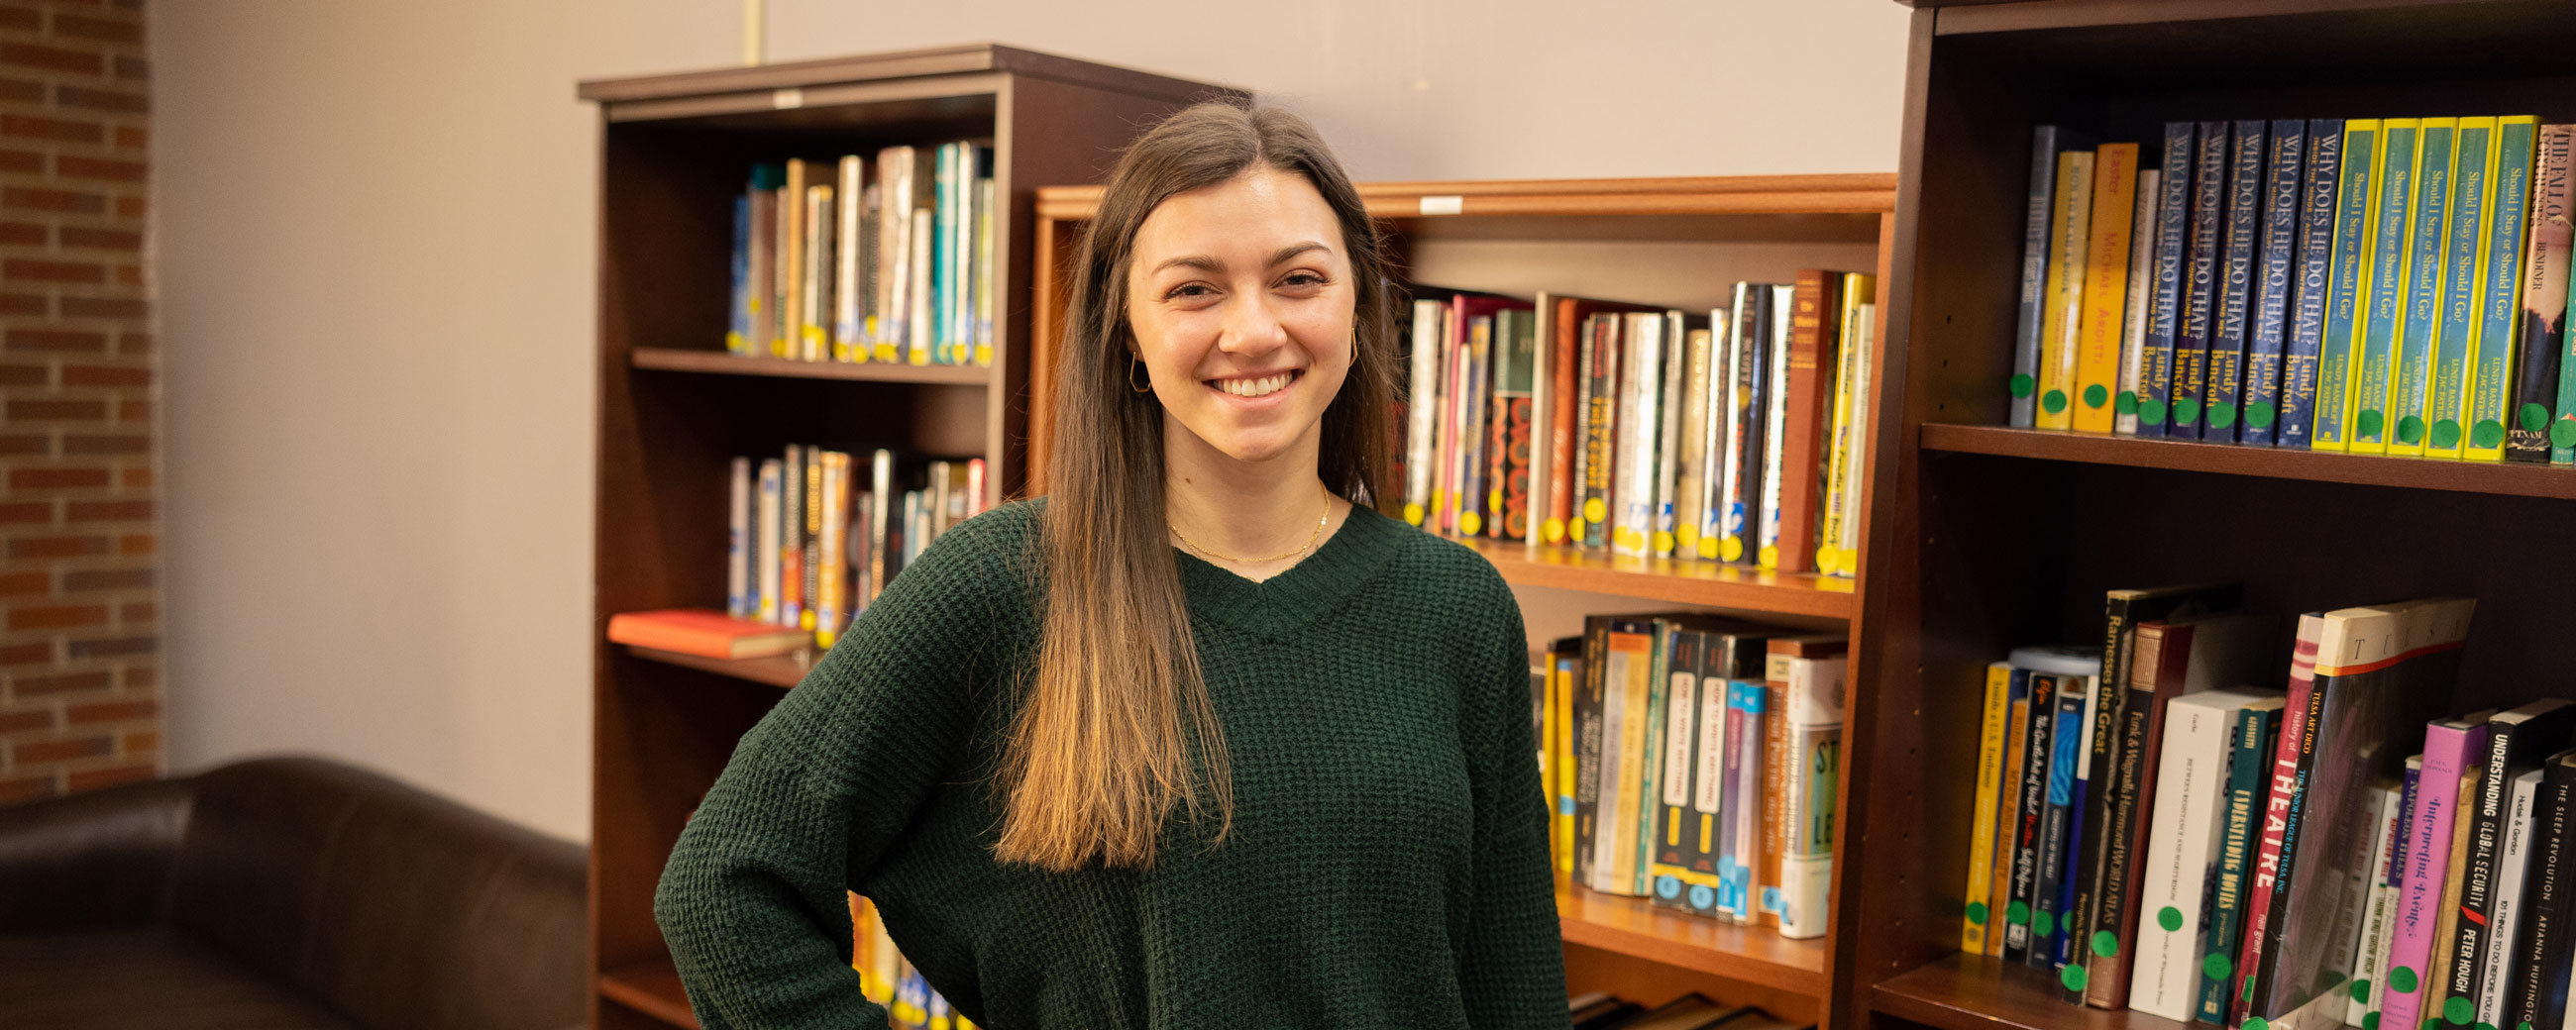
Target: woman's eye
<point>1303,280</point>
<point>1186,291</point>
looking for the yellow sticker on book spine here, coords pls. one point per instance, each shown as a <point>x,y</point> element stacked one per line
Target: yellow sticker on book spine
<point>1770,558</point>
<point>1663,542</point>
<point>1731,549</point>
<point>1593,510</point>
<point>1553,530</point>
<point>1708,547</point>
<point>1413,512</point>
<point>1469,524</point>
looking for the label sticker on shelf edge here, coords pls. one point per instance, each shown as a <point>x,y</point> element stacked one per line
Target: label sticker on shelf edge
<point>1444,205</point>
<point>782,99</point>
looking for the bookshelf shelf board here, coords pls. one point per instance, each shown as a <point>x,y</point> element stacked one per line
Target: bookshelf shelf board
<point>681,359</point>
<point>1662,579</point>
<point>1769,208</point>
<point>652,988</point>
<point>1963,993</point>
<point>2508,479</point>
<point>1635,927</point>
<point>781,671</point>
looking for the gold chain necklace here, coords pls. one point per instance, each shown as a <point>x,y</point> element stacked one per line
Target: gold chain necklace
<point>1318,534</point>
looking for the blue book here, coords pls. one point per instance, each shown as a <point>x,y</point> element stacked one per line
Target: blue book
<point>738,327</point>
<point>2313,282</point>
<point>2165,286</point>
<point>2347,295</point>
<point>2058,829</point>
<point>2223,392</point>
<point>2386,312</point>
<point>2499,322</point>
<point>2473,147</point>
<point>2200,278</point>
<point>2283,173</point>
<point>942,221</point>
<point>2034,272</point>
<point>2425,239</point>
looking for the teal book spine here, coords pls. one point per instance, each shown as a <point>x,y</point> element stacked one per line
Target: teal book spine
<point>2248,781</point>
<point>2471,199</point>
<point>2387,311</point>
<point>2348,296</point>
<point>942,184</point>
<point>2489,399</point>
<point>2423,331</point>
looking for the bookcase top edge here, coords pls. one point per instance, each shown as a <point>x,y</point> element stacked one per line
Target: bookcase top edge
<point>902,64</point>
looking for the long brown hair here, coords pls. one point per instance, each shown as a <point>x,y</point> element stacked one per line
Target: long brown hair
<point>1116,729</point>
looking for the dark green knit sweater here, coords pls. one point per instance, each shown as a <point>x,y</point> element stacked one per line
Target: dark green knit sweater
<point>1388,865</point>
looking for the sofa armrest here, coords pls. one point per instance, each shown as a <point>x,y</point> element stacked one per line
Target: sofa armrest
<point>93,860</point>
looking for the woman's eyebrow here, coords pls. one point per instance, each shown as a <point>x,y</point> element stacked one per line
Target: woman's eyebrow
<point>1205,263</point>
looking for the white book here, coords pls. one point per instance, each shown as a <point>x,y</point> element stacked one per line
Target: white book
<point>1668,440</point>
<point>919,330</point>
<point>2190,811</point>
<point>1712,429</point>
<point>2504,917</point>
<point>847,306</point>
<point>2379,899</point>
<point>2133,327</point>
<point>1811,713</point>
<point>1608,875</point>
<point>1641,363</point>
<point>1775,421</point>
<point>765,538</point>
<point>882,511</point>
<point>1422,408</point>
<point>1854,481</point>
<point>738,578</point>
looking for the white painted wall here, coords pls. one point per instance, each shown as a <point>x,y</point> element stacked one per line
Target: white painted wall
<point>376,236</point>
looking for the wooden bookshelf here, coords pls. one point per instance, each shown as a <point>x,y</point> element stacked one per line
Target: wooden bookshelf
<point>675,408</point>
<point>1985,537</point>
<point>1670,241</point>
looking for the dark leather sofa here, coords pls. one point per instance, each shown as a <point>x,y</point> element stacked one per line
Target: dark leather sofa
<point>282,894</point>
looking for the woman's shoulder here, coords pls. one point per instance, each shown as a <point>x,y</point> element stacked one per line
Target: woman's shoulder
<point>1449,568</point>
<point>984,561</point>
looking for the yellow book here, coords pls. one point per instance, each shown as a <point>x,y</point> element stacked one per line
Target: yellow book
<point>1548,728</point>
<point>2105,299</point>
<point>1561,797</point>
<point>2473,209</point>
<point>2348,296</point>
<point>1981,832</point>
<point>2490,359</point>
<point>2070,223</point>
<point>2374,358</point>
<point>791,263</point>
<point>2410,375</point>
<point>1843,432</point>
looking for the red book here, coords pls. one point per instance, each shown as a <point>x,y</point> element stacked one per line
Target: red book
<point>1813,332</point>
<point>2276,807</point>
<point>705,632</point>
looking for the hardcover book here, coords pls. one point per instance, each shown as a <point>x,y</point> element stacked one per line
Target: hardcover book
<point>2195,763</point>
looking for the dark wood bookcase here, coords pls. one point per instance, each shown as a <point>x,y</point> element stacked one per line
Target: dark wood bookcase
<point>1668,241</point>
<point>1985,537</point>
<point>675,408</point>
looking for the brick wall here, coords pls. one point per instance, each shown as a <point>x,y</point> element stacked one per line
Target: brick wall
<point>80,648</point>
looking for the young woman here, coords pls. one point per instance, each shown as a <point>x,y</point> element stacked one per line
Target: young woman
<point>1197,741</point>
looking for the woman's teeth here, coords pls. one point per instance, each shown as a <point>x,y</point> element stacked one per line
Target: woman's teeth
<point>1263,386</point>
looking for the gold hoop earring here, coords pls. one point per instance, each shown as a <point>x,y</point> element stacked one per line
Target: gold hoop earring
<point>1132,365</point>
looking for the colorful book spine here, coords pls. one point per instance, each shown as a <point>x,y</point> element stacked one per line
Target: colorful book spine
<point>2464,288</point>
<point>1474,406</point>
<point>1690,487</point>
<point>2542,948</point>
<point>1838,531</point>
<point>2164,307</point>
<point>1420,410</point>
<point>1981,831</point>
<point>2189,816</point>
<point>2223,393</point>
<point>1508,443</point>
<point>2008,808</point>
<point>2529,437</point>
<point>1739,889</point>
<point>2486,406</point>
<point>765,537</point>
<point>1592,747</point>
<point>2277,267</point>
<point>2374,362</point>
<point>849,305</point>
<point>738,322</point>
<point>1814,338</point>
<point>2411,390</point>
<point>1743,374</point>
<point>1670,847</point>
<point>1718,386</point>
<point>1601,428</point>
<point>1660,536</point>
<point>2039,752</point>
<point>2061,318</point>
<point>2039,222</point>
<point>1626,673</point>
<point>2451,746</point>
<point>2280,800</point>
<point>2513,868</point>
<point>2141,295</point>
<point>2348,297</point>
<point>2379,900</point>
<point>1775,438</point>
<point>2249,772</point>
<point>2517,742</point>
<point>2103,304</point>
<point>2065,763</point>
<point>739,601</point>
<point>2313,284</point>
<point>2200,282</point>
<point>1811,709</point>
<point>1650,768</point>
<point>1641,398</point>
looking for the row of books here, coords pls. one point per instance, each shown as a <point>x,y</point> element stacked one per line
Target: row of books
<point>888,979</point>
<point>2168,837</point>
<point>1600,1010</point>
<point>1693,761</point>
<point>1732,435</point>
<point>888,259</point>
<point>811,543</point>
<point>2375,286</point>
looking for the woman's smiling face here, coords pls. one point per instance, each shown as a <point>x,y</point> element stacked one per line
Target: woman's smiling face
<point>1241,304</point>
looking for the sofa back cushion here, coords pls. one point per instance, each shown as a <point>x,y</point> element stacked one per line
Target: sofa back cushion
<point>403,910</point>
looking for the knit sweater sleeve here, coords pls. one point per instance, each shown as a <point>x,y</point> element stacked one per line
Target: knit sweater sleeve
<point>753,898</point>
<point>1512,972</point>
